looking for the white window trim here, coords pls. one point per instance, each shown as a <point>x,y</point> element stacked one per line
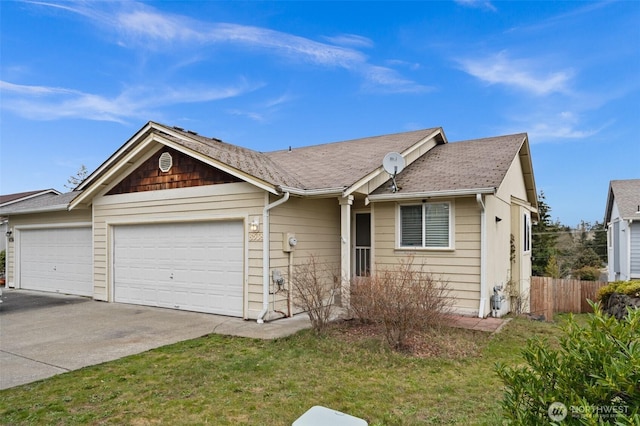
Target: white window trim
<point>526,229</point>
<point>398,241</point>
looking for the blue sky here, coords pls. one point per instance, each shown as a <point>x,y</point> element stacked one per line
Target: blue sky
<point>77,79</point>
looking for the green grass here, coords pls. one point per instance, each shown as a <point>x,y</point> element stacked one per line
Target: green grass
<point>223,380</point>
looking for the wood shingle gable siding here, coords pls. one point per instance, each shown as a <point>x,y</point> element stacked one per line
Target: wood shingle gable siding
<point>185,172</point>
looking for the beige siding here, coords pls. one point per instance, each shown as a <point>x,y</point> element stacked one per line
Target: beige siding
<point>234,201</point>
<point>513,184</point>
<point>316,224</point>
<point>521,274</point>
<point>459,267</point>
<point>498,267</point>
<point>512,193</point>
<point>40,220</point>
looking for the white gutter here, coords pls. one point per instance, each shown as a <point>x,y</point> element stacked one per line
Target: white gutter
<point>483,256</point>
<point>413,195</point>
<point>321,192</point>
<point>266,255</point>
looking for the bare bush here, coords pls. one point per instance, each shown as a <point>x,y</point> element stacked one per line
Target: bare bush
<point>404,300</point>
<point>314,287</point>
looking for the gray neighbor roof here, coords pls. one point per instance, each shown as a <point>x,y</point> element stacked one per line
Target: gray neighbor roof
<point>44,203</point>
<point>7,199</point>
<point>627,196</point>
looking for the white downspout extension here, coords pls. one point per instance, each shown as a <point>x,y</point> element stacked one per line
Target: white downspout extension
<point>483,256</point>
<point>266,247</point>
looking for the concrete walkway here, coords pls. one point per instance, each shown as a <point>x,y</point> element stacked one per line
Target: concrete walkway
<point>44,334</point>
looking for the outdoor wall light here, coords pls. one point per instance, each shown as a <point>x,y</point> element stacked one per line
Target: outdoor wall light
<point>254,225</point>
<point>498,219</point>
<point>9,233</point>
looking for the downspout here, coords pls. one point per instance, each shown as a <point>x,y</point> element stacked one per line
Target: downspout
<point>483,256</point>
<point>266,247</point>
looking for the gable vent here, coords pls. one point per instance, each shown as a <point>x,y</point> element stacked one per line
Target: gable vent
<point>165,162</point>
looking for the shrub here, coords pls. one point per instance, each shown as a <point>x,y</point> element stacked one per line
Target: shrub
<point>404,300</point>
<point>3,257</point>
<point>587,273</point>
<point>595,373</point>
<point>630,288</point>
<point>314,286</point>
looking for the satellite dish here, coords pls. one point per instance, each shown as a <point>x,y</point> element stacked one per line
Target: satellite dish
<point>393,163</point>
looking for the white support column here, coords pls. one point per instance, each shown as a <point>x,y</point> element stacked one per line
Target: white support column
<point>345,249</point>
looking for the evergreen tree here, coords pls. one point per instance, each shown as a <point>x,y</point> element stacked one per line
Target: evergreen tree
<point>545,237</point>
<point>599,241</point>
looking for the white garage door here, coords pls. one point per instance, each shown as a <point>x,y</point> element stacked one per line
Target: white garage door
<point>57,260</point>
<point>190,266</point>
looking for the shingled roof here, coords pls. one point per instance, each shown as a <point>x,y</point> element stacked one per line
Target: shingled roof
<point>335,167</point>
<point>246,160</point>
<point>457,166</point>
<point>53,201</point>
<point>341,164</point>
<point>627,196</point>
<point>7,199</point>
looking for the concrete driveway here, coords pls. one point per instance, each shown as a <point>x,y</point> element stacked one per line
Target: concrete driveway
<point>44,334</point>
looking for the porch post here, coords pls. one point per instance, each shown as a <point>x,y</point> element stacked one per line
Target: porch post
<point>345,249</point>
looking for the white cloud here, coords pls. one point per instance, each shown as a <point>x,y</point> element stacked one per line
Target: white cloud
<point>381,78</point>
<point>139,25</point>
<point>521,74</point>
<point>7,87</point>
<point>350,40</point>
<point>50,103</point>
<point>545,127</point>
<point>477,4</point>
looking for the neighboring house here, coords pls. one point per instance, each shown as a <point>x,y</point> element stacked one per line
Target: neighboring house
<point>178,220</point>
<point>9,199</point>
<point>622,218</point>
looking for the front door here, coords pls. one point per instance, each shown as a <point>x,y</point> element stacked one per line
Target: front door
<point>363,244</point>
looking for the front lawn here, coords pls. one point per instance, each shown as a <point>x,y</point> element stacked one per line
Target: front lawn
<point>223,380</point>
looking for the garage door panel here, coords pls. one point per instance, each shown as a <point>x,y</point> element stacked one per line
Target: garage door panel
<point>56,260</point>
<point>190,266</point>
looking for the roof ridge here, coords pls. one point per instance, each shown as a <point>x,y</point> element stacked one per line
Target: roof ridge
<point>307,147</point>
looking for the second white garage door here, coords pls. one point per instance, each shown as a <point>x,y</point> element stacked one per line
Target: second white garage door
<point>190,266</point>
<point>56,260</point>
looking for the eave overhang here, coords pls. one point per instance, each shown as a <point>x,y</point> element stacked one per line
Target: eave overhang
<point>399,196</point>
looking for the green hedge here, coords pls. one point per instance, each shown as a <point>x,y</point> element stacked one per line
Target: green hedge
<point>630,288</point>
<point>592,374</point>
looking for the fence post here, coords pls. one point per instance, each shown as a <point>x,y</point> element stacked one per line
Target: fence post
<point>549,292</point>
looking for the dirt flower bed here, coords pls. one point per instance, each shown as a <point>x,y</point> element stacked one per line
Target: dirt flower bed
<point>439,342</point>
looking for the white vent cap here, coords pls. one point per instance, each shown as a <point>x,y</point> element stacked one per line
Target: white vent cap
<point>166,162</point>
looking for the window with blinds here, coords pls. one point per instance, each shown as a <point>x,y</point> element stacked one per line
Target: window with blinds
<point>425,225</point>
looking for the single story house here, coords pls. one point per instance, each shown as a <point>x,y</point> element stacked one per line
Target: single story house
<point>9,199</point>
<point>622,218</point>
<point>179,220</point>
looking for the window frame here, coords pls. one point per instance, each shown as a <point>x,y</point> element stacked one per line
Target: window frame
<point>423,204</point>
<point>526,233</point>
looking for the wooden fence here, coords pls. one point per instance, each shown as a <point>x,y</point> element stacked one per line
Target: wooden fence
<point>554,295</point>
